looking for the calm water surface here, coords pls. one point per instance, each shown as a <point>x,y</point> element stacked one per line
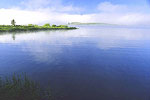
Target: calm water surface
<point>91,63</point>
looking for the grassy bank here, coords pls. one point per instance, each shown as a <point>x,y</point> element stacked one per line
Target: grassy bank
<point>19,87</point>
<point>31,27</point>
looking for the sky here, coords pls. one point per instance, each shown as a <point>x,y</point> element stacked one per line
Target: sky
<point>123,12</point>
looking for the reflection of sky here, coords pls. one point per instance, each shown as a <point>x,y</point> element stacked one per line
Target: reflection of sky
<point>99,60</point>
<point>45,46</point>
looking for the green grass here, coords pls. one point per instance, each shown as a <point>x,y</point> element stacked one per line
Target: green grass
<point>20,87</point>
<point>30,27</point>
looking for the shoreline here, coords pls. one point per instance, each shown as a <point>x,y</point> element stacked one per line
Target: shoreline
<point>20,28</point>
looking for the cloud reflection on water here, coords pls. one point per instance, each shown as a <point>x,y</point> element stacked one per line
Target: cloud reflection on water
<point>47,46</point>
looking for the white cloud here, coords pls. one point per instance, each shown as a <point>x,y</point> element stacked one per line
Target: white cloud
<point>34,4</point>
<point>22,16</point>
<point>46,11</point>
<point>122,14</point>
<point>51,5</point>
<point>109,7</point>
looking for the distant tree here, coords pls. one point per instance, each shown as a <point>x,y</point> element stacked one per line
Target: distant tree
<point>53,25</point>
<point>13,22</point>
<point>36,26</point>
<point>46,25</point>
<point>63,26</point>
<point>33,25</point>
<point>30,25</point>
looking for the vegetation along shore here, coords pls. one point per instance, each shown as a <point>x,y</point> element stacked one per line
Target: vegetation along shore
<point>31,27</point>
<point>20,87</point>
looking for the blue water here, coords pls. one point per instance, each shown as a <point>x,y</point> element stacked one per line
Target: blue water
<point>90,63</point>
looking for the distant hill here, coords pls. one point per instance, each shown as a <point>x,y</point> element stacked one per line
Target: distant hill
<point>79,23</point>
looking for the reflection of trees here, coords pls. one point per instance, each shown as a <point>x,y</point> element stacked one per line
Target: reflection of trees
<point>14,36</point>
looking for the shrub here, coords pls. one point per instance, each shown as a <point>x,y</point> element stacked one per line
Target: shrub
<point>46,25</point>
<point>13,22</point>
<point>54,26</point>
<point>30,25</point>
<point>64,26</point>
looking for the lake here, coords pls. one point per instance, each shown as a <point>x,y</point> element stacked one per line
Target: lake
<point>90,63</point>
